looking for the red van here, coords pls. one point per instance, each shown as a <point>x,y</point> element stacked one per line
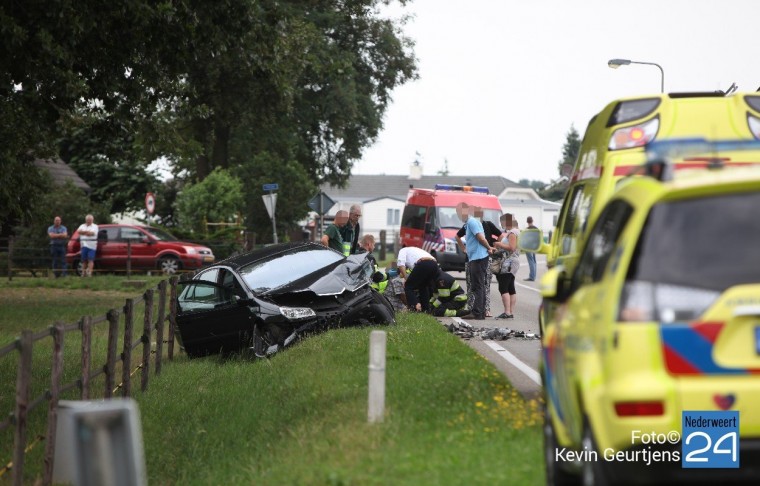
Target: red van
<point>430,219</point>
<point>150,247</point>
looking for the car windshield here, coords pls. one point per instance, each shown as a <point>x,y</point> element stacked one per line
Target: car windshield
<point>709,243</point>
<point>160,234</point>
<point>447,217</point>
<point>282,269</point>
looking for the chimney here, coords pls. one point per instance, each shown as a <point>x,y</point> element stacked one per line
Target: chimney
<point>415,171</point>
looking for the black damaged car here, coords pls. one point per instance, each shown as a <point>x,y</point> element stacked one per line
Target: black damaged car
<point>263,300</point>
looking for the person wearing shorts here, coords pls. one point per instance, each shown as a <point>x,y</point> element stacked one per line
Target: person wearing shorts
<point>506,277</point>
<point>88,241</point>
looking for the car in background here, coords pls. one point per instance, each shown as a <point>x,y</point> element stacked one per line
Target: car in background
<point>264,300</point>
<point>146,247</point>
<point>660,315</point>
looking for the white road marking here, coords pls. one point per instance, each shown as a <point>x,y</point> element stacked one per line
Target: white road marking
<point>527,287</point>
<point>514,361</point>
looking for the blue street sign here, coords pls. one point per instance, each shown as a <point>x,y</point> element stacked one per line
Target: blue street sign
<point>271,187</point>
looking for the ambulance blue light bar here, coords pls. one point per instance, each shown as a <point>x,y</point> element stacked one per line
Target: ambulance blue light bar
<point>451,187</point>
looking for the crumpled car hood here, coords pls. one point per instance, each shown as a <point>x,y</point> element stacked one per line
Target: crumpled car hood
<point>350,275</point>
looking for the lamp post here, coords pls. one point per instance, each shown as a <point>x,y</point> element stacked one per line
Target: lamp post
<point>616,63</point>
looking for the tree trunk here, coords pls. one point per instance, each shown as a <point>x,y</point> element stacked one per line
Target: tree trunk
<point>221,154</point>
<point>202,161</point>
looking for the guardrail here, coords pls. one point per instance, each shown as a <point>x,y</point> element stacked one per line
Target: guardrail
<point>154,316</point>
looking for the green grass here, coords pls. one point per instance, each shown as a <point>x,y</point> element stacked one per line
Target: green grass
<point>33,304</point>
<point>300,417</point>
<point>99,282</point>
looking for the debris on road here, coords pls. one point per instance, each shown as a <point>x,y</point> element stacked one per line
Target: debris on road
<point>466,331</point>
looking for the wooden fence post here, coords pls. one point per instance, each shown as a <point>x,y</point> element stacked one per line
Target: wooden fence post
<point>126,356</point>
<point>160,324</point>
<point>55,386</point>
<point>172,315</point>
<point>147,332</point>
<point>110,368</point>
<point>86,357</point>
<point>22,404</point>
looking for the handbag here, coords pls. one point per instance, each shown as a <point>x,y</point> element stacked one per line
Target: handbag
<point>496,261</point>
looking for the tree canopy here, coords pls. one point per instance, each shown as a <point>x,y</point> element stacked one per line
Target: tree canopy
<point>302,84</point>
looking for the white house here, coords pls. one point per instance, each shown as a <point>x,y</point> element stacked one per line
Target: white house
<point>383,197</point>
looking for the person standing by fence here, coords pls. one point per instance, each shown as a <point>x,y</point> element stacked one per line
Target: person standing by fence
<point>88,240</point>
<point>59,236</point>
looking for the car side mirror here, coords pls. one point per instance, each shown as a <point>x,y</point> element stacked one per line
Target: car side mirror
<point>242,301</point>
<point>532,240</point>
<point>554,285</point>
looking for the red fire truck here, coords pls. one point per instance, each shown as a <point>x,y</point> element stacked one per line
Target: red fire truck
<point>430,220</point>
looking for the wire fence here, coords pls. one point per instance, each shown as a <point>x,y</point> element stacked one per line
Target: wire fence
<point>113,339</point>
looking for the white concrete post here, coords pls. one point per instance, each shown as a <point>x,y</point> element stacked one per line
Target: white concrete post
<point>376,409</point>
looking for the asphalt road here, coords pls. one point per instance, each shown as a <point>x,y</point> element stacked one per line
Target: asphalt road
<point>517,358</point>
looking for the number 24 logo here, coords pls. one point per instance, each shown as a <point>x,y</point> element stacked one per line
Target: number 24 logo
<point>690,457</point>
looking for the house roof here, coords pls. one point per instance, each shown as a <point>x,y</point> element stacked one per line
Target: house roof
<point>61,172</point>
<point>369,187</point>
<point>394,198</point>
<point>549,205</point>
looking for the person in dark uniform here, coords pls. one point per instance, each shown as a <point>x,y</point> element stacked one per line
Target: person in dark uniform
<point>449,299</point>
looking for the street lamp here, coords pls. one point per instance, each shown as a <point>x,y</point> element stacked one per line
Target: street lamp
<point>616,63</point>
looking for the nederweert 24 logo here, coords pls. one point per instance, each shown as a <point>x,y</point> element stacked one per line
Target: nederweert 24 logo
<point>710,439</point>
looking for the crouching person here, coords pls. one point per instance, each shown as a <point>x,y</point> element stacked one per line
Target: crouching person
<point>449,299</point>
<point>392,286</point>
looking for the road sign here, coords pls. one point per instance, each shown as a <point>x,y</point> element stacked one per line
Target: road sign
<point>150,203</point>
<point>270,201</point>
<point>321,203</point>
<point>271,187</point>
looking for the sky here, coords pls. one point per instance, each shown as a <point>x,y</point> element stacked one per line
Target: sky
<point>501,81</point>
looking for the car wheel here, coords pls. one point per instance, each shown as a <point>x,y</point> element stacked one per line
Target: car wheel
<point>78,267</point>
<point>592,472</point>
<point>382,309</point>
<point>555,474</point>
<point>264,342</point>
<point>169,265</point>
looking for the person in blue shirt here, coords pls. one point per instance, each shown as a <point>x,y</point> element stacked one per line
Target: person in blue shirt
<point>478,250</point>
<point>59,236</point>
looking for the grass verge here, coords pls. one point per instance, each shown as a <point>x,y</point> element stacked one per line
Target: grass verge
<point>300,417</point>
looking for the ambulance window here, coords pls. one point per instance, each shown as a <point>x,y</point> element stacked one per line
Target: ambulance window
<point>414,217</point>
<point>574,223</point>
<point>601,243</point>
<point>572,204</point>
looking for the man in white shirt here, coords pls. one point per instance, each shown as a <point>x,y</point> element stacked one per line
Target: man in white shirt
<point>425,270</point>
<point>88,241</point>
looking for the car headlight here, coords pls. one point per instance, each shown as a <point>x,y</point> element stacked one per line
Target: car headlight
<point>451,246</point>
<point>296,313</point>
<point>189,249</point>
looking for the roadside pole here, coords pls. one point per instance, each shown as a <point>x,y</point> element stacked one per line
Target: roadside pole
<point>270,202</point>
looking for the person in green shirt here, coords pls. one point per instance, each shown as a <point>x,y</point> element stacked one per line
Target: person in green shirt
<point>332,236</point>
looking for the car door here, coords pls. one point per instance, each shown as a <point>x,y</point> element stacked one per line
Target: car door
<point>110,248</point>
<point>583,330</point>
<point>213,318</point>
<point>138,245</point>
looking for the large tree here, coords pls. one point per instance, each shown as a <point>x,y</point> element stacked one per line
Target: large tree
<point>207,84</point>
